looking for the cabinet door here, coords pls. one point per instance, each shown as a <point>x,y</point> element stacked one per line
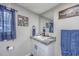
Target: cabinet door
<point>41,51</point>
<point>34,48</point>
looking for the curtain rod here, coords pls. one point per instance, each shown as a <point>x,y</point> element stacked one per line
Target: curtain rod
<point>10,8</point>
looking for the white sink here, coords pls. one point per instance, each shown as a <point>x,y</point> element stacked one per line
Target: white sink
<point>43,38</point>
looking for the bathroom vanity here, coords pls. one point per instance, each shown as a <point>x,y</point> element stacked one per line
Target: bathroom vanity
<point>43,46</point>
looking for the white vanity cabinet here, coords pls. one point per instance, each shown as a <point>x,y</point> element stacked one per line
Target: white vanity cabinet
<point>41,49</point>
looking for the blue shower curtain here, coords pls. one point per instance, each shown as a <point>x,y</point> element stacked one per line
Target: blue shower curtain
<point>70,42</point>
<point>7,23</point>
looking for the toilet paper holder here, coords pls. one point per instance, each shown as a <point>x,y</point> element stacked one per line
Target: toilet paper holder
<point>9,48</point>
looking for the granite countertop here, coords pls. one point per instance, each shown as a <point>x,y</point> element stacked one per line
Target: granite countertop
<point>46,41</point>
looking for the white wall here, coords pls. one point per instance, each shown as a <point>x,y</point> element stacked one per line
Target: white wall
<point>22,43</point>
<point>68,23</point>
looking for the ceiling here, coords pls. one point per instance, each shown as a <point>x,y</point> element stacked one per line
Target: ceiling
<point>38,8</point>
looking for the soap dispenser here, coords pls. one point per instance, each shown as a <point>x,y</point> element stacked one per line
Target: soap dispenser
<point>43,31</point>
<point>33,31</point>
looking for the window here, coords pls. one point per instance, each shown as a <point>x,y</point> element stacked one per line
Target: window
<point>7,23</point>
